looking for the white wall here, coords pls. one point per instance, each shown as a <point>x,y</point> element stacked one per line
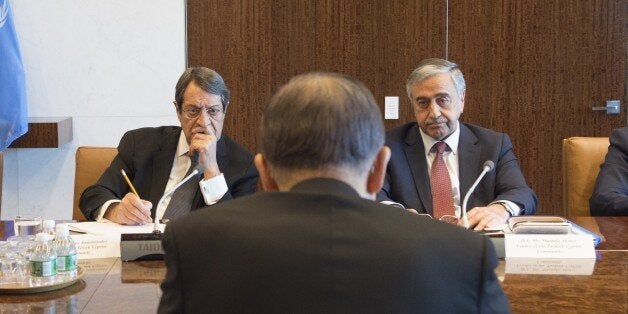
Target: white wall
<point>111,65</point>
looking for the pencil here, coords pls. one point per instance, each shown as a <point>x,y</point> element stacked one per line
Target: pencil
<point>129,183</point>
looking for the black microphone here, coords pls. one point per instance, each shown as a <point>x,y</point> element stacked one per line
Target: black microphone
<point>486,167</point>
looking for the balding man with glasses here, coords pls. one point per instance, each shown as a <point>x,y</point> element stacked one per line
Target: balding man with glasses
<point>156,160</point>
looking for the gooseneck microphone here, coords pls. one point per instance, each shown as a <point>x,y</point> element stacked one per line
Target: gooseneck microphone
<point>194,164</point>
<point>147,246</point>
<point>486,167</point>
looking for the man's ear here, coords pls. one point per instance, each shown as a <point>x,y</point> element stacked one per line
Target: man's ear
<point>268,183</point>
<point>462,94</point>
<point>377,174</point>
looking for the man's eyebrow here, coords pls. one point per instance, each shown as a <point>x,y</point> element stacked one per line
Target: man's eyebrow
<point>435,96</point>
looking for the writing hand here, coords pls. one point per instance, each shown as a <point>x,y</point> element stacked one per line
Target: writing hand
<point>130,211</point>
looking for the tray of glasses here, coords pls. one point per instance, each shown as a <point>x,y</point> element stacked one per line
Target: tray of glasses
<point>30,284</point>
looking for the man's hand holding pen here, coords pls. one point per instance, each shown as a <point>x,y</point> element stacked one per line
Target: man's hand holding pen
<point>130,211</point>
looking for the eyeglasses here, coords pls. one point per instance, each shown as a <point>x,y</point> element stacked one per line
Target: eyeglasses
<point>445,218</point>
<point>195,112</point>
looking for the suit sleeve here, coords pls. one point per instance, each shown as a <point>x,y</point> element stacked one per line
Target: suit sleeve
<point>111,185</point>
<point>610,194</point>
<point>244,185</point>
<point>172,289</point>
<point>492,296</point>
<point>509,182</point>
<point>384,192</point>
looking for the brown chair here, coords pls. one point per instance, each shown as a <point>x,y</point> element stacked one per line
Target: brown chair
<point>91,162</point>
<point>582,157</point>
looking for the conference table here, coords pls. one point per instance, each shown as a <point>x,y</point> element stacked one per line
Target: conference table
<point>112,286</point>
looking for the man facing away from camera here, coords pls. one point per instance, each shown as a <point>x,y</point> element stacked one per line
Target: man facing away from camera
<point>316,241</point>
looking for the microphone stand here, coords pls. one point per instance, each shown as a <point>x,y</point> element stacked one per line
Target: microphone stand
<point>486,167</point>
<point>147,246</point>
<point>163,198</point>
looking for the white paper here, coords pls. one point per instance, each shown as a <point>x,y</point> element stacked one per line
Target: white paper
<point>102,239</point>
<point>550,266</point>
<point>90,246</point>
<point>110,228</point>
<point>391,107</point>
<point>549,246</point>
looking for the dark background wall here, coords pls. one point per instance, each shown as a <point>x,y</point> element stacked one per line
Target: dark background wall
<point>533,68</point>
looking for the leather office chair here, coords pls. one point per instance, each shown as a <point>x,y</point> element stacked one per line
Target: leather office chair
<point>582,157</point>
<point>91,162</point>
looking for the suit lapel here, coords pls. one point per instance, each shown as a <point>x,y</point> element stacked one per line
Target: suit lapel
<point>468,161</point>
<point>414,150</point>
<point>162,164</point>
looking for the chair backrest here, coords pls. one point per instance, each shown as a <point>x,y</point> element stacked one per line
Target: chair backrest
<point>582,157</point>
<point>91,162</point>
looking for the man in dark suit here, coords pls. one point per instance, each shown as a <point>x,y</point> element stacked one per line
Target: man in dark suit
<point>316,242</point>
<point>436,89</point>
<point>157,159</point>
<point>610,195</point>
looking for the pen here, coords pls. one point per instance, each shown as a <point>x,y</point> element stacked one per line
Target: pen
<point>129,183</point>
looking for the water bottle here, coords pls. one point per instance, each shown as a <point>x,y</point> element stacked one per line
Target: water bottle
<point>43,260</point>
<point>48,227</point>
<point>65,248</point>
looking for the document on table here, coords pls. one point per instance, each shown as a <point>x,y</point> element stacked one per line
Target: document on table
<point>110,228</point>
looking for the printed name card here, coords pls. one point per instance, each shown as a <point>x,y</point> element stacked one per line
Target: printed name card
<point>96,246</point>
<point>550,266</point>
<point>549,245</point>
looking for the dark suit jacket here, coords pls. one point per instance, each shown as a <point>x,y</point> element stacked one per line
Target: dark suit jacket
<point>321,248</point>
<point>407,177</point>
<point>147,155</point>
<point>610,195</point>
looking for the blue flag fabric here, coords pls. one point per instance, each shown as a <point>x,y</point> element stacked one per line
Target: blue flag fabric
<point>13,110</point>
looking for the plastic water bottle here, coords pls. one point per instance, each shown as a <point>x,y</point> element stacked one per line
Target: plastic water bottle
<point>48,227</point>
<point>43,260</point>
<point>65,248</point>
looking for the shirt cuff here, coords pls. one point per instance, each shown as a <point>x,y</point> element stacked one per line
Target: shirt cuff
<point>213,189</point>
<point>391,203</point>
<point>511,207</point>
<point>103,210</point>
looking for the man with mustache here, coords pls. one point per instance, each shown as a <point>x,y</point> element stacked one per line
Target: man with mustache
<point>436,159</point>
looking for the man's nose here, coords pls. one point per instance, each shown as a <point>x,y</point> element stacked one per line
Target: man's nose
<point>203,118</point>
<point>434,109</point>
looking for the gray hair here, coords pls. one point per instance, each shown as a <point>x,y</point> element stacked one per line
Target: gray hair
<point>432,66</point>
<point>207,79</point>
<point>321,121</point>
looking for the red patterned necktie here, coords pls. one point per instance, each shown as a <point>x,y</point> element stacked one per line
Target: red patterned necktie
<point>442,197</point>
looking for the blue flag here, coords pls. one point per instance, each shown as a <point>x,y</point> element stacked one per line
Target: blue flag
<point>13,111</point>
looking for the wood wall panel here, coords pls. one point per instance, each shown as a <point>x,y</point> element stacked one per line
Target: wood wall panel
<point>534,69</point>
<point>259,45</point>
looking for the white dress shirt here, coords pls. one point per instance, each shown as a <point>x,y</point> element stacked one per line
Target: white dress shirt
<point>451,159</point>
<point>213,189</point>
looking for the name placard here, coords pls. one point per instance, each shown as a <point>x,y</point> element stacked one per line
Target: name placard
<point>549,246</point>
<point>550,266</point>
<point>90,246</point>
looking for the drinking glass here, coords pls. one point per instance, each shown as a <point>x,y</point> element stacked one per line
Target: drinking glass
<point>27,225</point>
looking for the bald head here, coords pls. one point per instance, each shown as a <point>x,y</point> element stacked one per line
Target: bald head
<point>321,122</point>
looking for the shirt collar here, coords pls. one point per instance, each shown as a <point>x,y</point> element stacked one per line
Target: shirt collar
<point>182,146</point>
<point>452,140</point>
